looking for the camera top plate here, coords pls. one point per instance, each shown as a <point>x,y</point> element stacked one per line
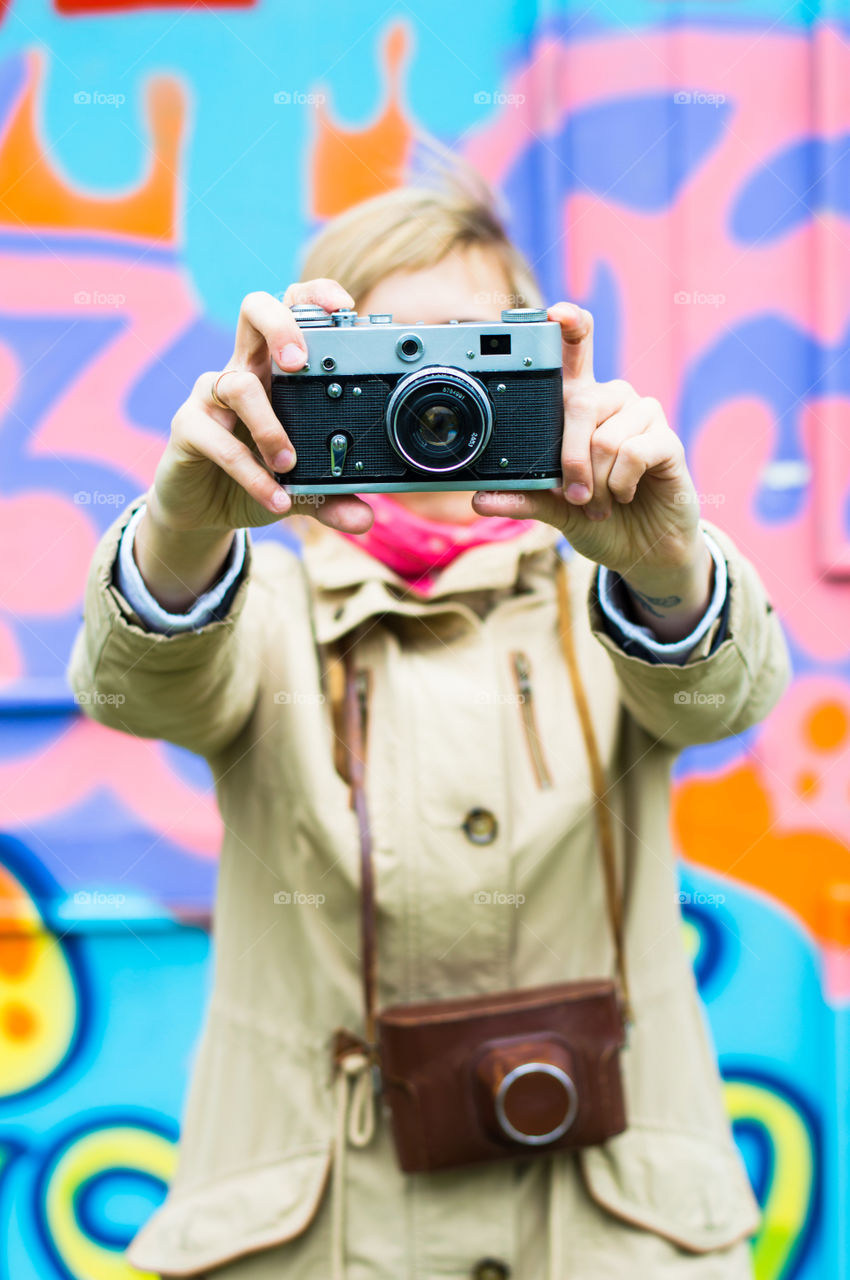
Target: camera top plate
<point>344,343</point>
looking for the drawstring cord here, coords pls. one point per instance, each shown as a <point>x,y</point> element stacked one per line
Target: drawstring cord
<point>355,1124</point>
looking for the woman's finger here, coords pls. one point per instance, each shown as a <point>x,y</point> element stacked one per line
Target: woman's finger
<point>658,449</point>
<point>584,409</point>
<point>526,504</point>
<point>605,444</point>
<point>245,397</point>
<point>343,511</point>
<point>201,435</point>
<point>325,293</point>
<point>576,339</point>
<point>266,324</point>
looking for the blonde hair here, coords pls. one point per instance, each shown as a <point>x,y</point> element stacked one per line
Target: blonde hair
<point>413,227</point>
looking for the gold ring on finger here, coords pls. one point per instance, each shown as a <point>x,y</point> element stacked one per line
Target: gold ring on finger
<point>214,389</point>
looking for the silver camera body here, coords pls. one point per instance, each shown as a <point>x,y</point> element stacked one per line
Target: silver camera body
<point>381,407</point>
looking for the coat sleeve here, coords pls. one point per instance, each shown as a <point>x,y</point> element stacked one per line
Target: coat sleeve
<point>721,689</point>
<point>193,688</point>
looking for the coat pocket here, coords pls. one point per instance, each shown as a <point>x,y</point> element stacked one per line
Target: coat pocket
<point>235,1215</point>
<point>689,1189</point>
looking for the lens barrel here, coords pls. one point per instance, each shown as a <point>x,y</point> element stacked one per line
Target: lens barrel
<point>439,419</point>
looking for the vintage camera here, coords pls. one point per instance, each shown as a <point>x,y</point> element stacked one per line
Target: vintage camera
<point>382,408</point>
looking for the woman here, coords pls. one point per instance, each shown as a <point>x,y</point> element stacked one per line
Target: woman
<point>486,856</point>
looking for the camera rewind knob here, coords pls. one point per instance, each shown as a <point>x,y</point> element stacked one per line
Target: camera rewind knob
<point>523,315</point>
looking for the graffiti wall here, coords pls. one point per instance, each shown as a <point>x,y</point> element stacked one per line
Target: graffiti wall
<point>681,169</point>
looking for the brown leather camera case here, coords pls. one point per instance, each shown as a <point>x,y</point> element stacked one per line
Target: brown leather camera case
<point>442,1064</point>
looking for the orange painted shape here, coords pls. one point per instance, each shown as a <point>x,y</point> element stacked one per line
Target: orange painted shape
<point>836,913</point>
<point>807,783</point>
<point>17,955</point>
<point>826,726</point>
<point>18,926</point>
<point>17,1021</point>
<point>728,824</point>
<point>35,195</point>
<point>350,165</point>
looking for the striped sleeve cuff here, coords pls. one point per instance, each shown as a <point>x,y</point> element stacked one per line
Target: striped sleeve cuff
<point>609,585</point>
<point>209,607</point>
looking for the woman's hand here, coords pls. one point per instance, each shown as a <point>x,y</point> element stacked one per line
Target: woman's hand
<point>216,471</point>
<point>627,500</point>
<point>215,475</point>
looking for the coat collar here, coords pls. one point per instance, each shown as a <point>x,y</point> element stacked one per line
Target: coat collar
<point>349,585</point>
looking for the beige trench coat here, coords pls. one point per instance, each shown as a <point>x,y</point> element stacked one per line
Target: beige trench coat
<point>253,1193</point>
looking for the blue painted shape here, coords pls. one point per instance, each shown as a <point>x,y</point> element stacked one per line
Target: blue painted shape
<point>768,359</point>
<point>169,379</point>
<point>603,151</point>
<point>788,189</point>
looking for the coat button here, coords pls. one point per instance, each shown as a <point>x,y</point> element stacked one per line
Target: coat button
<point>481,827</point>
<point>339,611</point>
<point>490,1269</point>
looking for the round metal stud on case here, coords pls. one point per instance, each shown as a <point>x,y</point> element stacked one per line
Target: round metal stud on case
<point>555,1079</point>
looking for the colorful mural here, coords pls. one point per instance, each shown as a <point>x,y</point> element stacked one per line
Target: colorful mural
<point>679,168</point>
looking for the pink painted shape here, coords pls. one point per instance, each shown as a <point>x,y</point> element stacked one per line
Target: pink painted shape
<point>802,277</point>
<point>53,541</point>
<point>727,461</point>
<point>88,758</point>
<point>787,756</point>
<point>828,422</point>
<point>90,421</point>
<point>836,973</point>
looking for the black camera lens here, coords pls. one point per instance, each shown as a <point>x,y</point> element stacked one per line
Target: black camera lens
<point>439,427</point>
<point>439,419</point>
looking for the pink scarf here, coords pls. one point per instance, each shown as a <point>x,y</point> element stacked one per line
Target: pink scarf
<point>416,548</point>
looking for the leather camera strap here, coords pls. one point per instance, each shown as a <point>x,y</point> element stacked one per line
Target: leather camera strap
<point>348,691</point>
<point>607,844</point>
<point>355,711</point>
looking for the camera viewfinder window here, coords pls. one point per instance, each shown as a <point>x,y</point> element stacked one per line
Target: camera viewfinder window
<point>495,344</point>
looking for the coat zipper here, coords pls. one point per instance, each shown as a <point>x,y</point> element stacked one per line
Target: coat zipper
<point>522,676</point>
